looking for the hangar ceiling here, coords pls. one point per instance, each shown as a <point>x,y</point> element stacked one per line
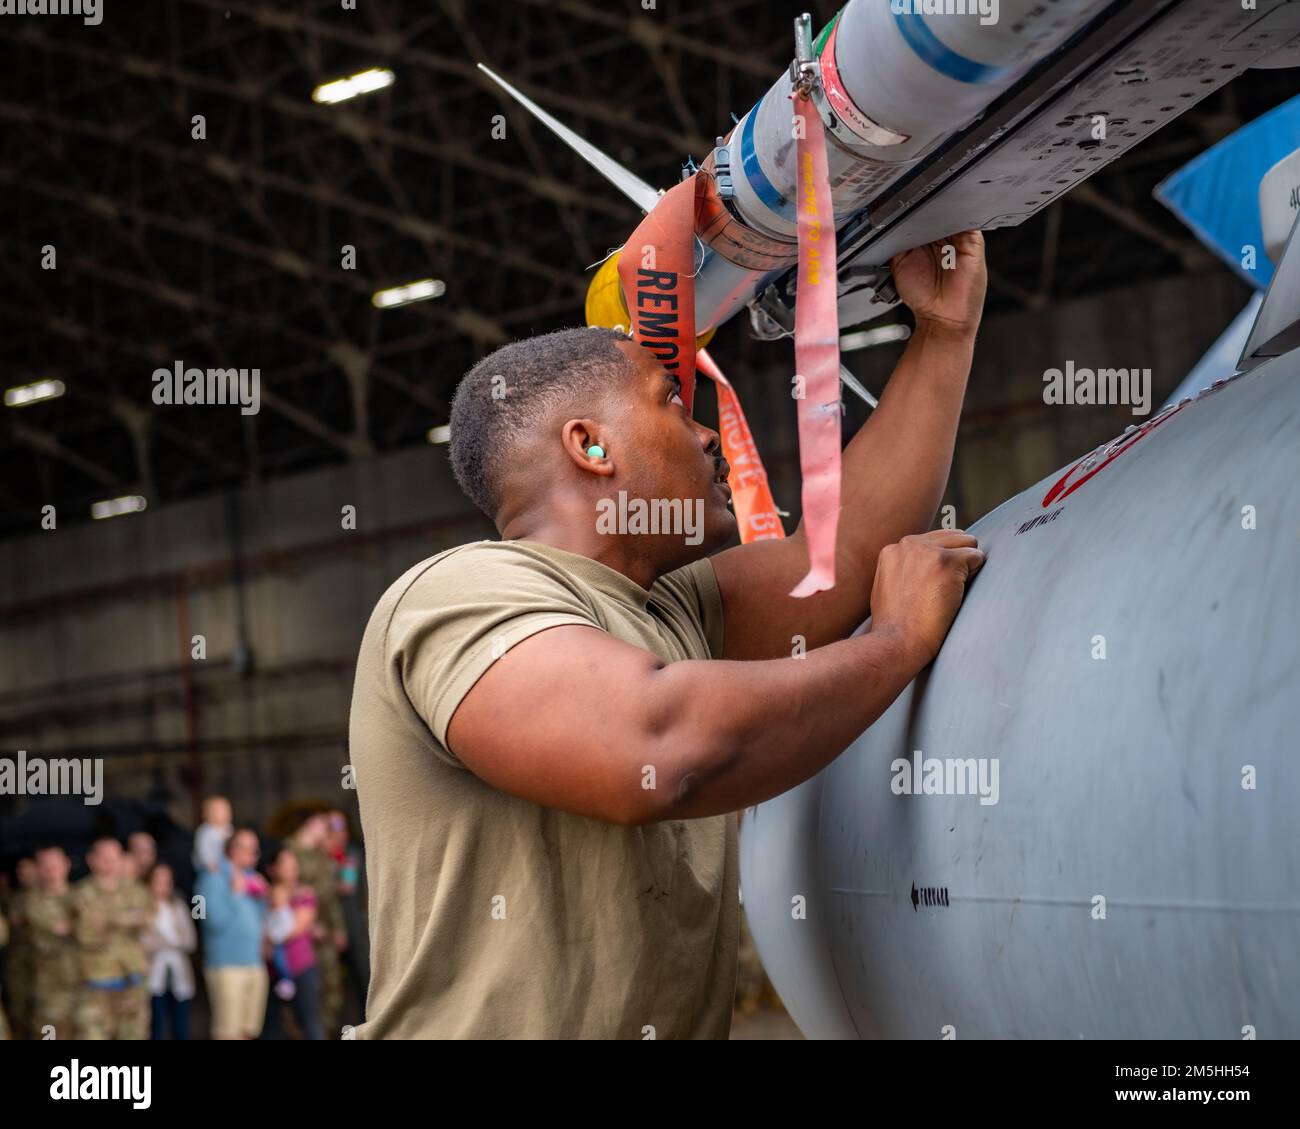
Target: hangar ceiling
<point>227,251</point>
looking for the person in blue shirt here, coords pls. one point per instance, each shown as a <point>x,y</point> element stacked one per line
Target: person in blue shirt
<point>233,919</point>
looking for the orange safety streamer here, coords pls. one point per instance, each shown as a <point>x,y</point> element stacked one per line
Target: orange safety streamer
<point>657,270</point>
<point>751,497</point>
<point>816,352</point>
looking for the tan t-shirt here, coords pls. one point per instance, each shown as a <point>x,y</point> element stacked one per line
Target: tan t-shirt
<point>494,917</point>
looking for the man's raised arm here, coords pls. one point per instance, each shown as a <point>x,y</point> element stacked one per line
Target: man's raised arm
<point>893,473</point>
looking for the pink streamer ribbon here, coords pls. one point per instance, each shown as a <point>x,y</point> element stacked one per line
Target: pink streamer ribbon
<point>817,352</point>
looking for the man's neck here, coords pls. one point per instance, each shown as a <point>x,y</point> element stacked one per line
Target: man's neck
<point>612,552</point>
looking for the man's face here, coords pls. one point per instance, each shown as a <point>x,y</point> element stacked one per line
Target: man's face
<point>662,454</point>
<point>53,866</point>
<point>244,850</point>
<point>105,859</point>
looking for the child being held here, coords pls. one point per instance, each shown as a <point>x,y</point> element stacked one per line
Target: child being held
<point>210,838</point>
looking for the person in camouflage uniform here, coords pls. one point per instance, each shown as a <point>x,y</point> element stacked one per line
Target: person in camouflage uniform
<point>316,869</point>
<point>51,920</point>
<point>135,878</point>
<point>20,956</point>
<point>111,914</point>
<point>350,881</point>
<point>4,941</point>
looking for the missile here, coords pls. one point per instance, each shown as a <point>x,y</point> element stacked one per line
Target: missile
<point>893,83</point>
<point>939,117</point>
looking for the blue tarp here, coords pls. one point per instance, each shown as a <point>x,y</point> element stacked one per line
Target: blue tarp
<point>1217,194</point>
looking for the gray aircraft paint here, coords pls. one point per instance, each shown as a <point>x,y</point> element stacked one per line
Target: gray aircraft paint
<point>1120,777</point>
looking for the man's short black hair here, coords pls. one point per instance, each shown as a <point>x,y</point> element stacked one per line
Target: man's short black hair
<point>511,391</point>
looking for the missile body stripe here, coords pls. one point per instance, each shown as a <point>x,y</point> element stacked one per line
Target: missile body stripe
<point>763,188</point>
<point>917,34</point>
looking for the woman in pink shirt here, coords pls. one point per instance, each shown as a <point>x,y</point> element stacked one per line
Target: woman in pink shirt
<point>294,974</point>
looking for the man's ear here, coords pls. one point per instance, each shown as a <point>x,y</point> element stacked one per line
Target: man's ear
<point>579,436</point>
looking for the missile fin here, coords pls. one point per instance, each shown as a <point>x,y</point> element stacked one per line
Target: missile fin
<point>626,181</point>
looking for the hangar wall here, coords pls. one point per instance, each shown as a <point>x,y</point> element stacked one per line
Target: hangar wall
<point>275,584</point>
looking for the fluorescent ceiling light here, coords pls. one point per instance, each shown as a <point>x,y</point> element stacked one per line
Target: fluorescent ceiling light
<point>114,507</point>
<point>412,292</point>
<point>440,434</point>
<point>26,394</point>
<point>341,89</point>
<point>866,338</point>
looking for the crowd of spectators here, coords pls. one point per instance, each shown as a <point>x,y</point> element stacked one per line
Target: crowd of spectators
<point>282,950</point>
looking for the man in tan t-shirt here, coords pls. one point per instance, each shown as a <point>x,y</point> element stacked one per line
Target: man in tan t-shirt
<point>550,732</point>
